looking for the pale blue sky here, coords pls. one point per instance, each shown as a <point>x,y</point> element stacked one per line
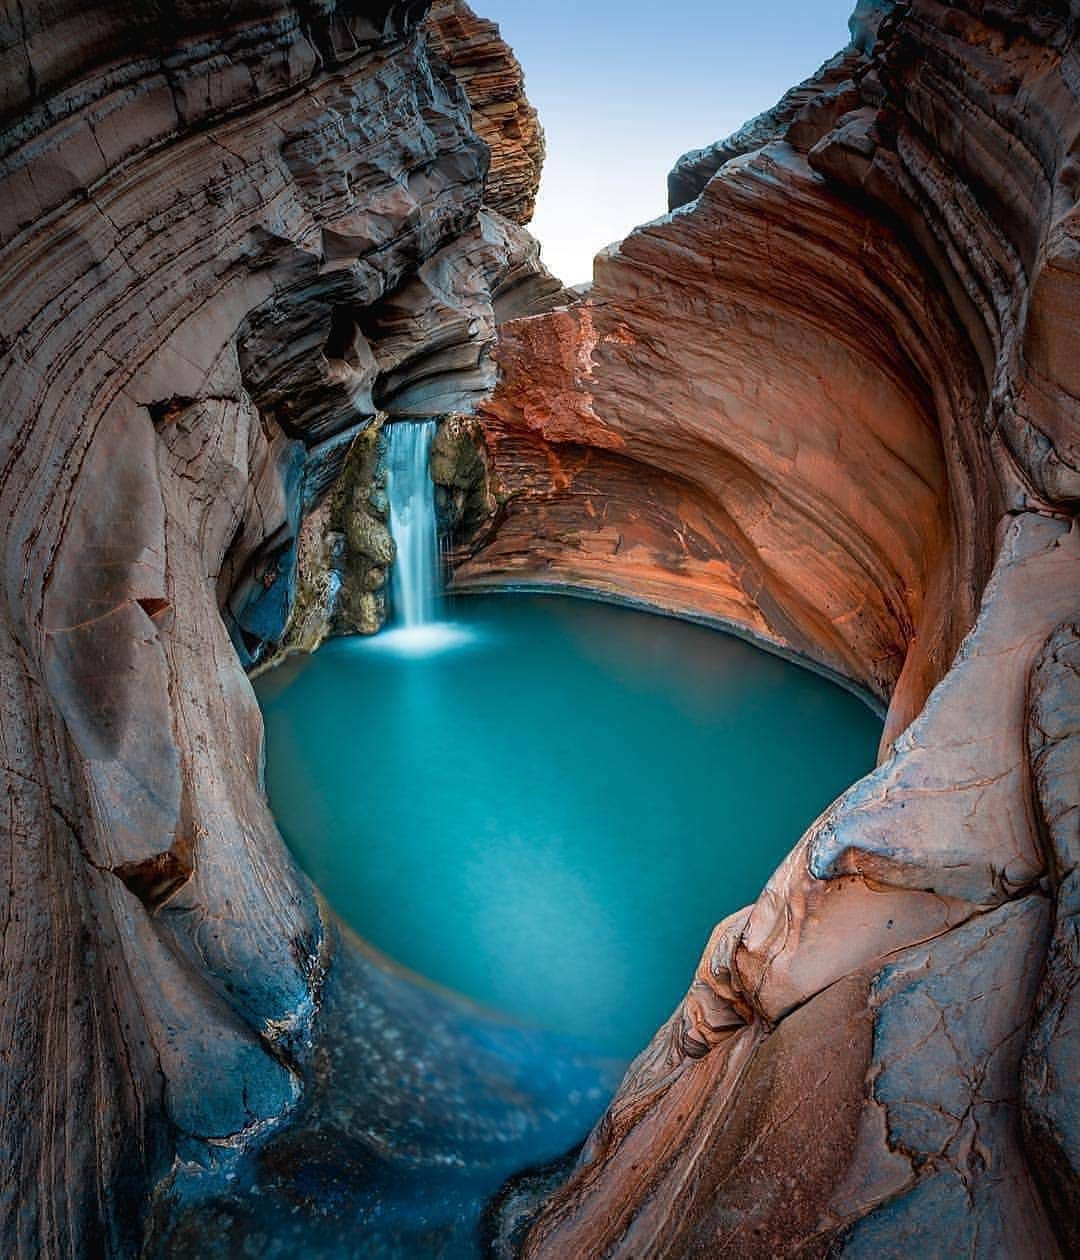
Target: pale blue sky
<point>624,87</point>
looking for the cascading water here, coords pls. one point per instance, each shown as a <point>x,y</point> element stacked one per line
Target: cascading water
<point>416,578</point>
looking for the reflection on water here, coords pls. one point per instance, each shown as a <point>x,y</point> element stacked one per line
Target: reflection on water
<point>551,813</point>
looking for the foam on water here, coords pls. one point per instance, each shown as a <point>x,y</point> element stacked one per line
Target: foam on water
<point>429,639</point>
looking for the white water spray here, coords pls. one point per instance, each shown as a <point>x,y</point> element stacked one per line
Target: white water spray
<point>416,578</point>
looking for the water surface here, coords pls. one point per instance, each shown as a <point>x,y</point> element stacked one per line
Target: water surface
<point>547,804</point>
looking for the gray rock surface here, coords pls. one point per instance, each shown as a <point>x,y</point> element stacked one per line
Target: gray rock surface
<point>226,237</point>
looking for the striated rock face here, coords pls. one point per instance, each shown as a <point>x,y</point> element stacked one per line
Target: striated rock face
<point>1050,1072</point>
<point>831,401</point>
<point>422,349</point>
<point>227,242</point>
<point>490,74</point>
<point>693,170</point>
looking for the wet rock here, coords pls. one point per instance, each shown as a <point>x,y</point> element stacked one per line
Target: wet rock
<point>464,502</point>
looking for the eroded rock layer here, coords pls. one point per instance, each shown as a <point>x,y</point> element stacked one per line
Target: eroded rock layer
<point>228,240</point>
<point>830,400</point>
<point>490,74</point>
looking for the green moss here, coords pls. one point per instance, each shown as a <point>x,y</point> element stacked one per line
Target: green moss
<point>459,469</point>
<point>345,551</point>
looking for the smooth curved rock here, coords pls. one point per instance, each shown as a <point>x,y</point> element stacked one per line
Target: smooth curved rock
<point>1051,1070</point>
<point>830,402</point>
<point>802,486</point>
<point>198,211</point>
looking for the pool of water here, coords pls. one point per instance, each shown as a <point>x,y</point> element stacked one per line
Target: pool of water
<point>548,803</point>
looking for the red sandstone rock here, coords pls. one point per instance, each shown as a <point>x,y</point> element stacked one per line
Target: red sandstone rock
<point>829,401</point>
<point>489,72</point>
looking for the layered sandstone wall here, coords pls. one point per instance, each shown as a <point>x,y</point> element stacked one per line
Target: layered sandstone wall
<point>228,239</point>
<point>831,400</point>
<point>487,69</point>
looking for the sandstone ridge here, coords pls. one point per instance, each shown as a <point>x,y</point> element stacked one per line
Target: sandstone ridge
<point>830,401</point>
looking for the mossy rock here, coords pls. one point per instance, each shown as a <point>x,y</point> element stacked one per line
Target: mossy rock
<point>360,612</point>
<point>370,538</point>
<point>457,458</point>
<point>459,469</point>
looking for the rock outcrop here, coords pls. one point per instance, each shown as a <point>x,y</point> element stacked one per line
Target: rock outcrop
<point>489,72</point>
<point>426,351</point>
<point>830,401</point>
<point>228,241</point>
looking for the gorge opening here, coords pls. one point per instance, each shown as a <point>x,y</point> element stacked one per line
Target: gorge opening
<point>494,799</point>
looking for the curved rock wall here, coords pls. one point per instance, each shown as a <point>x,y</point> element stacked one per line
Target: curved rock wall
<point>830,400</point>
<point>226,240</point>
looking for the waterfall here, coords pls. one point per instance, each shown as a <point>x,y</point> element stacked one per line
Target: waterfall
<point>416,576</point>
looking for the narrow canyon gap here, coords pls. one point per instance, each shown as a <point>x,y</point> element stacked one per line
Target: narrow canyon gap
<point>829,401</point>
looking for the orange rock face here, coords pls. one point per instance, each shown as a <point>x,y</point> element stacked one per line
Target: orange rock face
<point>748,390</point>
<point>489,72</point>
<point>828,401</point>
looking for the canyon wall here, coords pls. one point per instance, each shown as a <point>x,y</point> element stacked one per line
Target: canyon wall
<point>830,400</point>
<point>229,240</point>
<point>487,69</point>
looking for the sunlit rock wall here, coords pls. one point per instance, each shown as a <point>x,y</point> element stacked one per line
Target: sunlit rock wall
<point>831,400</point>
